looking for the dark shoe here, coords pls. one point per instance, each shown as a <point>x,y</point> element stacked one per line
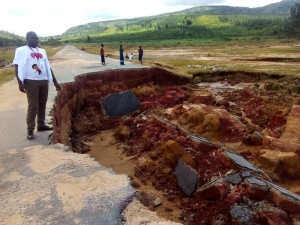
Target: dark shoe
<point>30,135</point>
<point>44,128</point>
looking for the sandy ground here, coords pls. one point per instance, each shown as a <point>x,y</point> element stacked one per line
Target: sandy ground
<point>42,184</point>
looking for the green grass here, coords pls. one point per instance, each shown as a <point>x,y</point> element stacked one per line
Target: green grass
<point>6,75</point>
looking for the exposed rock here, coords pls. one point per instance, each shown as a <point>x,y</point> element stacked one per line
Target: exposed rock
<point>242,215</point>
<point>256,138</point>
<point>222,102</point>
<point>146,197</point>
<point>122,133</point>
<point>292,130</point>
<point>262,87</point>
<point>194,116</point>
<point>278,164</point>
<point>144,91</point>
<point>202,98</point>
<point>157,202</point>
<point>280,145</point>
<point>174,152</point>
<point>211,123</point>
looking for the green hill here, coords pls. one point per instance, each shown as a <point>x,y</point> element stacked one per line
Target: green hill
<point>202,24</point>
<point>280,8</point>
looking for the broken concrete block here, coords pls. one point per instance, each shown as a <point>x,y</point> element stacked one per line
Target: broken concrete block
<point>187,177</point>
<point>234,178</point>
<point>240,161</point>
<point>120,104</point>
<point>246,173</point>
<point>242,215</point>
<point>284,199</point>
<point>257,188</point>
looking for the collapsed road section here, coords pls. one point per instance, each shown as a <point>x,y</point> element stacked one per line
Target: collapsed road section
<point>228,150</point>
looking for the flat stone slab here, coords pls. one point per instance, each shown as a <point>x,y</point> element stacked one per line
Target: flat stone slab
<point>120,104</point>
<point>246,173</point>
<point>240,161</point>
<point>45,185</point>
<point>187,178</point>
<point>255,181</point>
<point>234,178</point>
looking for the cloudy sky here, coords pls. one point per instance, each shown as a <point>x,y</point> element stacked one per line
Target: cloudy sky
<point>54,17</point>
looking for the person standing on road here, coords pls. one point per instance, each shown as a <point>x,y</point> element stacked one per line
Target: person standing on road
<point>33,73</point>
<point>102,54</point>
<point>121,55</point>
<point>141,52</point>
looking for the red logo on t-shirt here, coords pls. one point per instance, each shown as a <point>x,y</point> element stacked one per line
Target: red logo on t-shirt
<point>36,55</point>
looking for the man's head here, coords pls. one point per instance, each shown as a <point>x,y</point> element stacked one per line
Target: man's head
<point>32,39</point>
<point>102,45</point>
<point>140,46</point>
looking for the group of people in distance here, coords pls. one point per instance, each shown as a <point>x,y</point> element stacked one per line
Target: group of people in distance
<point>121,51</point>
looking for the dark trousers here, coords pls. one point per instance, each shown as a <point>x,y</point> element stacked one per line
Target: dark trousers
<point>37,95</point>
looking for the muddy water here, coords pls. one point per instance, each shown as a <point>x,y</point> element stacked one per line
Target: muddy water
<point>112,154</point>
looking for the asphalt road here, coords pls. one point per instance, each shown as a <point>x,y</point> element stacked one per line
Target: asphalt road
<point>66,64</point>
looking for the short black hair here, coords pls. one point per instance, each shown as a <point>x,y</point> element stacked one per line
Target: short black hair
<point>29,33</point>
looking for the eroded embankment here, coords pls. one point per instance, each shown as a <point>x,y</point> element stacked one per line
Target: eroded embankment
<point>180,137</point>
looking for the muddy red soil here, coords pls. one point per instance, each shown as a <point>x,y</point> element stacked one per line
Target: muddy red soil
<point>224,113</point>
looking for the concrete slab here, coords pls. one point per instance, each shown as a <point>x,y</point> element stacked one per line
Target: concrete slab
<point>120,104</point>
<point>187,177</point>
<point>240,161</point>
<point>45,185</point>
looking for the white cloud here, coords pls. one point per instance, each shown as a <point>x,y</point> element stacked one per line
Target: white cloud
<point>55,17</point>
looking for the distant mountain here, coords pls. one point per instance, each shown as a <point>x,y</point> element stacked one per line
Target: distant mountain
<point>279,8</point>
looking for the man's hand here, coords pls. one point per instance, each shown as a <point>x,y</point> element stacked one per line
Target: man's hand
<point>57,86</point>
<point>22,87</point>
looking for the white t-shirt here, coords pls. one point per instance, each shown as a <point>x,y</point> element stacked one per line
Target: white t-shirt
<point>35,63</point>
<point>131,57</point>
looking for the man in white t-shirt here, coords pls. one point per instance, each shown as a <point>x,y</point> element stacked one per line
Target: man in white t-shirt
<point>33,73</point>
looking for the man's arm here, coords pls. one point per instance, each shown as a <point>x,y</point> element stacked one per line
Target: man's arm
<point>56,84</point>
<point>21,85</point>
